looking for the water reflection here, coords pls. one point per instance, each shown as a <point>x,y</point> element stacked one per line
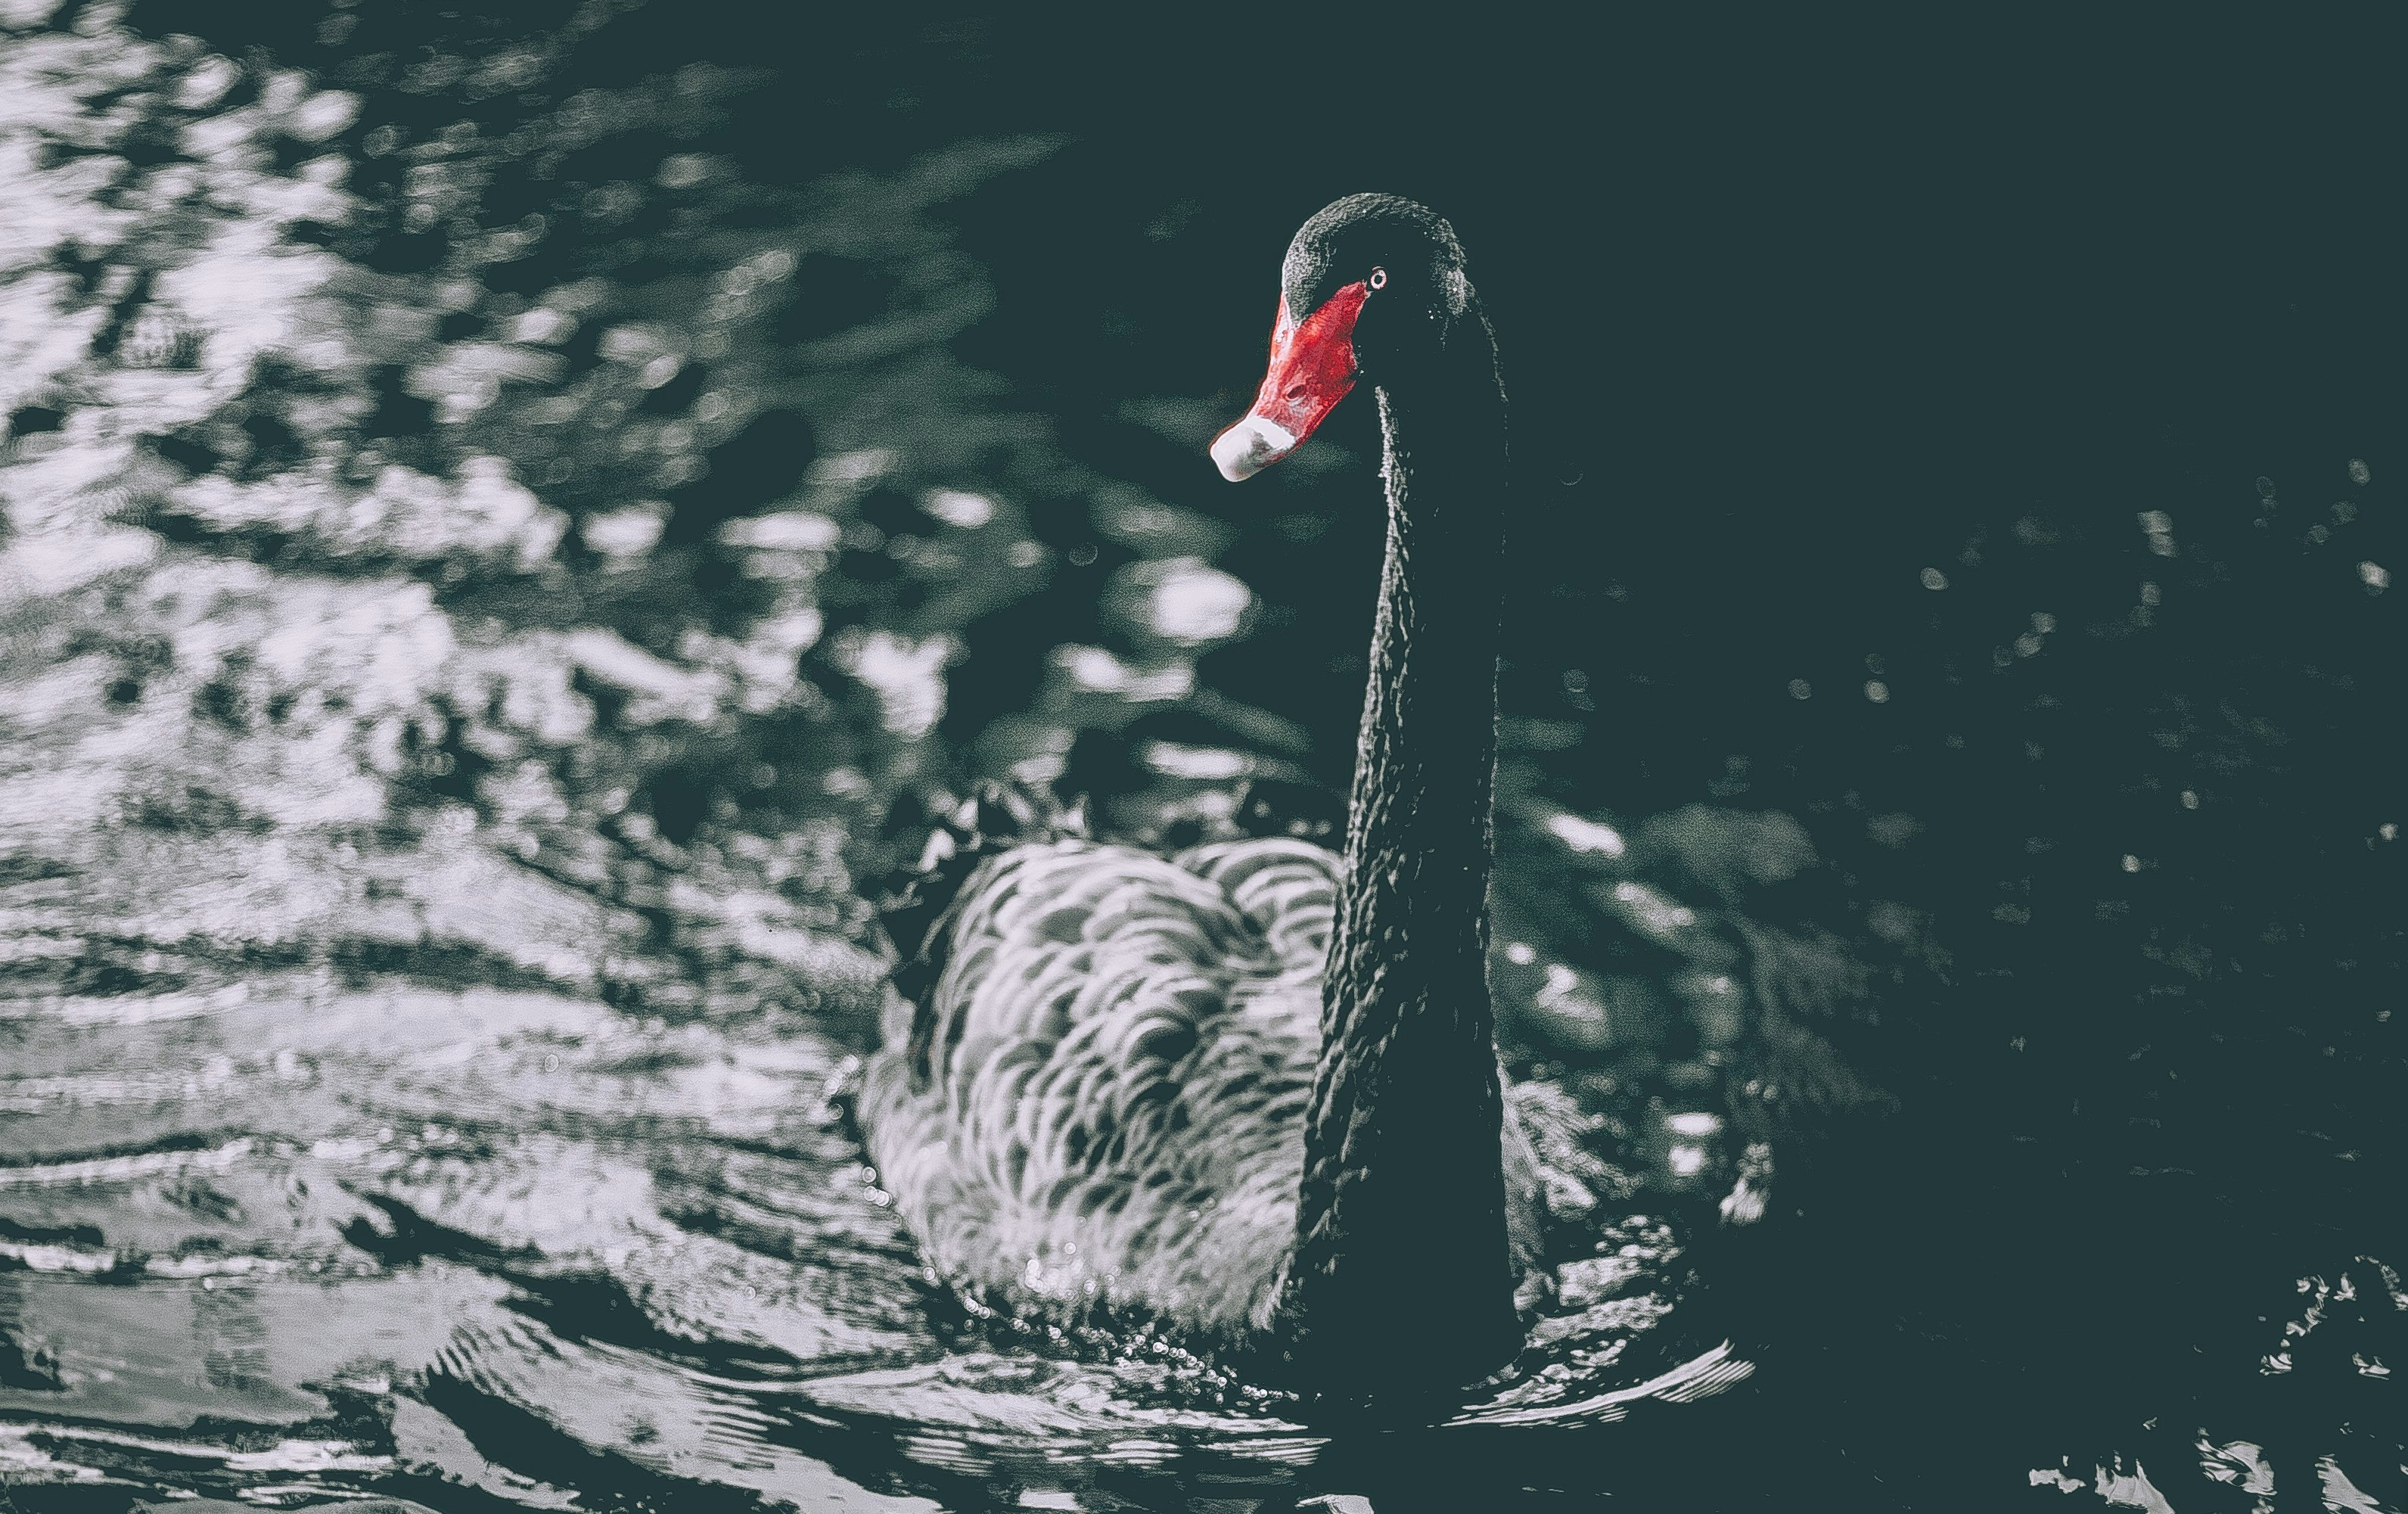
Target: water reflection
<point>478,560</point>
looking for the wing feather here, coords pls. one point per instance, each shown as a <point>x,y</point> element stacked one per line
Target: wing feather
<point>1121,1051</point>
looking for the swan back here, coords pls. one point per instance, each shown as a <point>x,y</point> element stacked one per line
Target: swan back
<point>1100,1096</point>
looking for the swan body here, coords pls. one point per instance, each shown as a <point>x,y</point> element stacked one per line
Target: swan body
<point>1100,1098</point>
<point>1251,1089</point>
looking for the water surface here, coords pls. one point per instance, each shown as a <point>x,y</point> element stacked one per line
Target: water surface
<point>494,520</point>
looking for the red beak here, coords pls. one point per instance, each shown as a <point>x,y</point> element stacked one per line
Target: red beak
<point>1312,366</point>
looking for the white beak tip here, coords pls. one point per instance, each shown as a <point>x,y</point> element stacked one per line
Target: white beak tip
<point>1250,446</point>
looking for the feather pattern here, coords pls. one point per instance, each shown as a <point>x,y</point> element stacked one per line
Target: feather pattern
<point>1118,1050</point>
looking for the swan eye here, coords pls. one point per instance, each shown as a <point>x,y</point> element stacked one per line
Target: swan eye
<point>1379,279</point>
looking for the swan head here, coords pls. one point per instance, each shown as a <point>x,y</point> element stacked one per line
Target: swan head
<point>1373,285</point>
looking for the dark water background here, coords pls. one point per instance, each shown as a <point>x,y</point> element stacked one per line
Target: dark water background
<point>498,508</point>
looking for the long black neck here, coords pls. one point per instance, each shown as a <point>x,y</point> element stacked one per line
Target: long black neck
<point>1402,1282</point>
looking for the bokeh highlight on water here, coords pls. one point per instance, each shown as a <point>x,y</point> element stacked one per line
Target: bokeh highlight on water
<point>484,565</point>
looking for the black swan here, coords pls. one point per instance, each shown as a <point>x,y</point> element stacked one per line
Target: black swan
<point>1251,1090</point>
